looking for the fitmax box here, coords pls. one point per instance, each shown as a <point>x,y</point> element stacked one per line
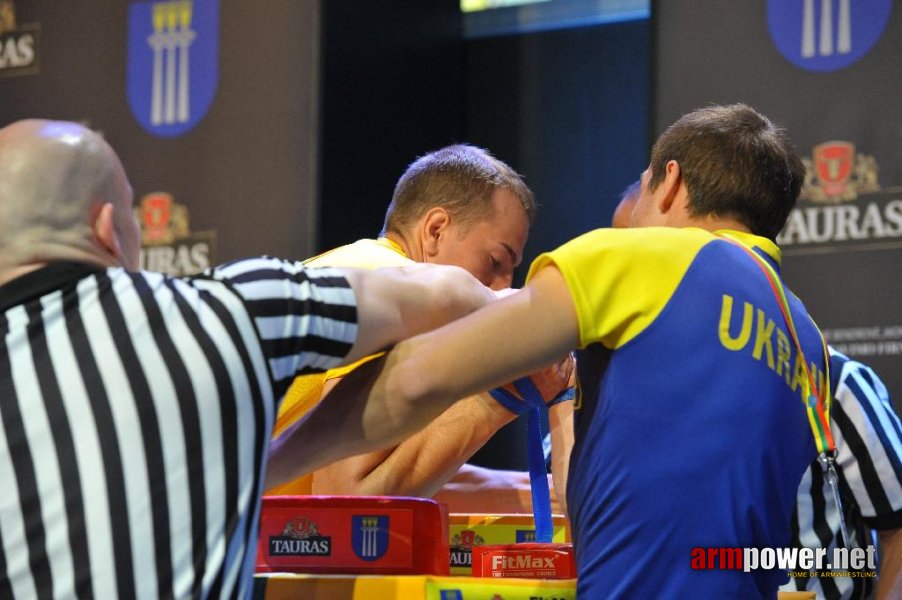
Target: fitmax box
<point>354,535</point>
<point>470,530</point>
<point>531,561</point>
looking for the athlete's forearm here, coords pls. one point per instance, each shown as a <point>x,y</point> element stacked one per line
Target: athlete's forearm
<point>422,463</point>
<point>475,489</point>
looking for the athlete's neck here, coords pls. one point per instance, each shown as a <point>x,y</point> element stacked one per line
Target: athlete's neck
<point>410,248</point>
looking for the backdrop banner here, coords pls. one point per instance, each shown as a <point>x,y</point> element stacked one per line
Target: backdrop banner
<point>828,71</point>
<point>212,107</point>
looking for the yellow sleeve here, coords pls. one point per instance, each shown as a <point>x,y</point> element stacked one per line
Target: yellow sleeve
<point>621,279</point>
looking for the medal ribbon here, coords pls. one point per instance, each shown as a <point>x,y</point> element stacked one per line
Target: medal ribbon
<point>817,405</point>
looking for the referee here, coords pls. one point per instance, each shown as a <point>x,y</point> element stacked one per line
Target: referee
<point>868,438</point>
<point>136,408</point>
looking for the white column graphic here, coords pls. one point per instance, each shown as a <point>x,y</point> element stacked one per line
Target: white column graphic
<point>368,529</point>
<point>844,37</point>
<point>808,29</point>
<point>825,30</point>
<point>186,36</point>
<point>156,43</point>
<point>826,38</point>
<point>170,90</point>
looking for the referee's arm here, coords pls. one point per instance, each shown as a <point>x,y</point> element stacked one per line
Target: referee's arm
<point>393,303</point>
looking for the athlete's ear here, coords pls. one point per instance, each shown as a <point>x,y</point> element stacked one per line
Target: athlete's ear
<point>105,231</point>
<point>435,227</point>
<point>671,189</point>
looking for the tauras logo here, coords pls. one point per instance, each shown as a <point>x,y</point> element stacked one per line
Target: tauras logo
<point>522,561</point>
<point>831,224</point>
<point>300,538</point>
<point>462,547</point>
<point>167,243</point>
<point>18,44</point>
<point>286,546</point>
<point>842,202</point>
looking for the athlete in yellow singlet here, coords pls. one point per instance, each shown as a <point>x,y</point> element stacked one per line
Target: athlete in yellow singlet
<point>458,206</point>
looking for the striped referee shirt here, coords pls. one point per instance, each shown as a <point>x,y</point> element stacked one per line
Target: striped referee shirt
<point>868,439</point>
<point>135,416</point>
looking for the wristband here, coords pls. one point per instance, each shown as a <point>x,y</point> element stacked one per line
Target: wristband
<point>530,396</point>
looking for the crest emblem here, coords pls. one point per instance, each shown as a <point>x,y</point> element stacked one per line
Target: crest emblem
<point>826,35</point>
<point>173,63</point>
<point>836,173</point>
<point>833,161</point>
<point>466,539</point>
<point>526,535</point>
<point>162,220</point>
<point>300,528</point>
<point>369,536</point>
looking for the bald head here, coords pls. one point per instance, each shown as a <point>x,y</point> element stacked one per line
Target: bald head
<point>63,196</point>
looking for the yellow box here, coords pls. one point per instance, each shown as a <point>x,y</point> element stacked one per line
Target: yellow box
<point>289,586</point>
<point>474,530</point>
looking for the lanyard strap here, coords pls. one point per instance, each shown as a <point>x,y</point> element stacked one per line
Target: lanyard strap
<point>817,404</point>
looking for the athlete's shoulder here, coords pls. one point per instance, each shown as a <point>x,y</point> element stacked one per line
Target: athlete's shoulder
<point>644,239</point>
<point>364,254</point>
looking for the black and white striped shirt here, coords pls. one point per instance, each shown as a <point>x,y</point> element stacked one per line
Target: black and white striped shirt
<point>135,415</point>
<point>868,439</point>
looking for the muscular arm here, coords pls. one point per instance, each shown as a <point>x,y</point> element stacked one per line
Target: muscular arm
<point>396,303</point>
<point>462,358</point>
<point>392,303</point>
<point>422,463</point>
<point>889,584</point>
<point>475,489</point>
<point>388,399</point>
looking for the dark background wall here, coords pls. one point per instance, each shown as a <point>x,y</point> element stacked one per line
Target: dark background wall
<point>567,109</point>
<point>392,90</point>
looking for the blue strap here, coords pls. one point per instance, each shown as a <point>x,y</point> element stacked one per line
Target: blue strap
<point>565,396</point>
<point>538,478</point>
<point>531,402</point>
<point>520,406</point>
<point>538,475</point>
<point>510,401</point>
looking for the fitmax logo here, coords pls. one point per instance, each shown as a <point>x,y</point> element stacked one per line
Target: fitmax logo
<point>522,561</point>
